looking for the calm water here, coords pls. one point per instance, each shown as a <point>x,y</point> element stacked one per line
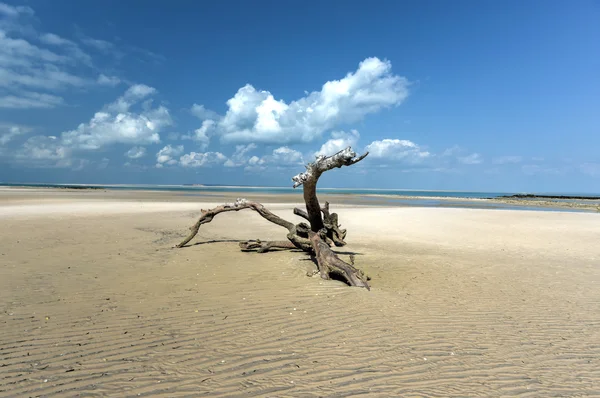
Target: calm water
<point>398,193</point>
<point>276,190</point>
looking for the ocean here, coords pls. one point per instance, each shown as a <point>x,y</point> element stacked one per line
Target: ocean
<point>405,197</point>
<point>273,190</point>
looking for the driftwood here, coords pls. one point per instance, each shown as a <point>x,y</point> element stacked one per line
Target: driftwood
<point>316,237</point>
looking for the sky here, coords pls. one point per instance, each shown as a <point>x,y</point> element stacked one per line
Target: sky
<point>499,96</point>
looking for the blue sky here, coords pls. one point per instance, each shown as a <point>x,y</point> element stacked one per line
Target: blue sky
<point>465,95</point>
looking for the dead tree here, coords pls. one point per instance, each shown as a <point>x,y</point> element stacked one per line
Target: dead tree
<point>316,237</point>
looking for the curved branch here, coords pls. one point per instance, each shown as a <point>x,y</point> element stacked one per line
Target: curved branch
<point>240,204</point>
<point>309,179</point>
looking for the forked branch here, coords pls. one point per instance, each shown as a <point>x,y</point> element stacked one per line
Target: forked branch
<point>323,231</point>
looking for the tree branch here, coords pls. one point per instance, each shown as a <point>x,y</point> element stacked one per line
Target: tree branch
<point>301,213</point>
<point>240,204</point>
<point>309,179</point>
<point>263,247</point>
<point>324,228</point>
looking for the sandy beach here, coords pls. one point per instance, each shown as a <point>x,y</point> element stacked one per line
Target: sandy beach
<point>464,302</point>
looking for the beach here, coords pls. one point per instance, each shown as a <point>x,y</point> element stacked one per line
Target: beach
<point>464,302</point>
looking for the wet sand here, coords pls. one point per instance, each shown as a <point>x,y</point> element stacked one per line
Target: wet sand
<point>465,302</point>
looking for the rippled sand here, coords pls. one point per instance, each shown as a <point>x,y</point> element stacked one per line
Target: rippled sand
<point>464,303</point>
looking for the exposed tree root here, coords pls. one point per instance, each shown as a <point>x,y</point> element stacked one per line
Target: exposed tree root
<point>332,267</point>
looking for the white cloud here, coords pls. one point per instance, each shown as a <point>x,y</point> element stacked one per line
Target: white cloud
<point>398,150</point>
<point>37,69</point>
<point>30,100</point>
<point>71,47</point>
<point>507,160</point>
<point>167,155</point>
<point>136,152</point>
<point>15,11</point>
<point>453,151</point>
<point>56,40</point>
<point>473,158</point>
<point>44,151</point>
<point>202,135</point>
<point>256,116</point>
<point>108,80</point>
<point>194,159</point>
<point>286,156</point>
<point>8,132</point>
<point>117,124</point>
<point>239,157</point>
<point>202,113</point>
<point>281,157</point>
<point>339,140</point>
<point>256,161</point>
<point>101,45</point>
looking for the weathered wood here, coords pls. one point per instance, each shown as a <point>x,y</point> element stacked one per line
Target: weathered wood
<point>316,238</point>
<point>332,267</point>
<point>263,247</point>
<point>240,204</point>
<point>309,179</point>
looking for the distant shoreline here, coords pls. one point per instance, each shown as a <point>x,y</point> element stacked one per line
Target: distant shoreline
<point>404,198</point>
<point>375,191</point>
<point>533,196</point>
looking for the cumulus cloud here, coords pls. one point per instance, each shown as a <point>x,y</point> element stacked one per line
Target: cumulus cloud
<point>136,152</point>
<point>44,151</point>
<point>256,116</point>
<point>116,123</point>
<point>339,140</point>
<point>8,132</point>
<point>286,156</point>
<point>202,113</point>
<point>282,157</point>
<point>396,150</point>
<point>194,159</point>
<point>167,154</point>
<point>202,135</point>
<point>239,157</point>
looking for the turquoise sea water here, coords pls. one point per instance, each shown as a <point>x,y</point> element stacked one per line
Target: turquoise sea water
<point>274,190</point>
<point>394,196</point>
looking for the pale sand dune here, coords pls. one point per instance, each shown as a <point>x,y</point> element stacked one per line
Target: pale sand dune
<point>464,303</point>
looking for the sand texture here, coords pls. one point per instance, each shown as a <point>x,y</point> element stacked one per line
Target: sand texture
<point>464,303</point>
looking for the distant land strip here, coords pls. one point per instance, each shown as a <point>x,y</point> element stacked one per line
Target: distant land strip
<point>532,196</point>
